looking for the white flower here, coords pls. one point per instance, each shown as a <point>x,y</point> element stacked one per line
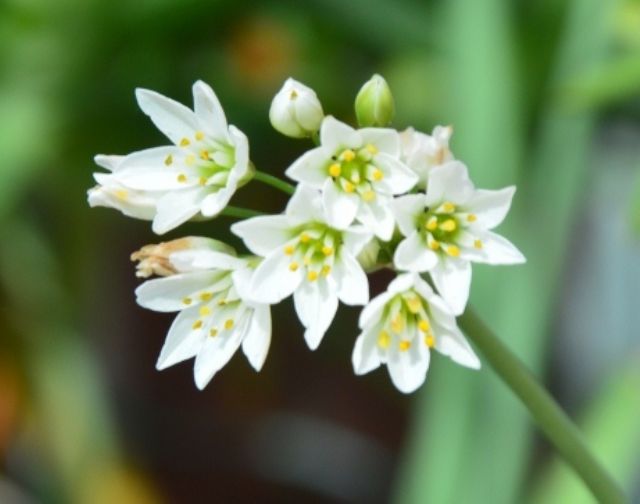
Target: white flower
<point>401,326</point>
<point>422,152</point>
<point>111,193</point>
<point>449,227</point>
<point>209,290</point>
<point>295,110</point>
<point>307,257</point>
<point>198,173</point>
<point>358,172</point>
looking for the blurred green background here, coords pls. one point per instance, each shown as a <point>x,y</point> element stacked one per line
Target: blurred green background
<point>544,94</point>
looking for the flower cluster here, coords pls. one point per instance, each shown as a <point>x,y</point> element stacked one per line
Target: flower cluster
<point>366,198</point>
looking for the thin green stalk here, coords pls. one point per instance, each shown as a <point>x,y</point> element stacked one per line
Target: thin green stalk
<point>242,213</point>
<point>280,184</point>
<point>551,419</point>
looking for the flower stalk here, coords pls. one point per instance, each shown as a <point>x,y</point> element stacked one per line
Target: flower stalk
<point>279,184</point>
<point>551,419</point>
<point>240,213</point>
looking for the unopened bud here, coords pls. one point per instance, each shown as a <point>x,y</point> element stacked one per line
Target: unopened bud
<point>295,110</point>
<point>374,103</point>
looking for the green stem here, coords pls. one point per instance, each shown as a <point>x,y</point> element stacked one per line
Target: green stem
<point>242,213</point>
<point>552,420</point>
<point>280,184</point>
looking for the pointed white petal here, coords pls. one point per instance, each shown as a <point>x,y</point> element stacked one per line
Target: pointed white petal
<point>452,278</point>
<point>209,111</point>
<point>311,168</point>
<point>398,177</point>
<point>402,282</point>
<point>203,259</point>
<point>355,238</point>
<point>240,143</point>
<point>176,208</point>
<point>385,140</point>
<point>172,118</point>
<point>498,250</point>
<point>336,135</point>
<point>449,182</point>
<point>340,208</point>
<point>408,370</point>
<point>110,162</point>
<point>273,280</point>
<point>377,217</point>
<point>305,205</point>
<point>413,254</point>
<point>146,170</point>
<point>491,207</point>
<point>371,313</point>
<point>183,342</point>
<point>454,345</point>
<point>214,203</point>
<point>263,234</point>
<point>316,305</point>
<point>406,210</point>
<point>255,344</point>
<point>167,294</point>
<point>352,282</point>
<point>365,356</point>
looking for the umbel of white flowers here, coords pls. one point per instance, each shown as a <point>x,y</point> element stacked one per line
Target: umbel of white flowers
<point>367,197</point>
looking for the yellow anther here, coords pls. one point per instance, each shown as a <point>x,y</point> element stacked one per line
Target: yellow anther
<point>372,149</point>
<point>204,311</point>
<point>122,194</point>
<point>448,207</point>
<point>294,266</point>
<point>288,250</point>
<point>206,296</point>
<point>197,324</point>
<point>448,225</point>
<point>326,269</point>
<point>202,181</point>
<point>414,304</point>
<point>184,142</point>
<point>368,195</point>
<point>424,325</point>
<point>432,223</point>
<point>222,302</point>
<point>404,345</point>
<point>472,217</point>
<point>293,94</point>
<point>348,155</point>
<point>335,170</point>
<point>434,245</point>
<point>349,187</point>
<point>186,301</point>
<point>326,250</point>
<point>304,238</point>
<point>204,154</point>
<point>228,324</point>
<point>312,276</point>
<point>397,324</point>
<point>453,251</point>
<point>477,244</point>
<point>199,135</point>
<point>182,178</point>
<point>384,340</point>
<point>168,160</point>
<point>429,340</point>
<point>213,332</point>
<point>190,159</point>
<point>377,175</point>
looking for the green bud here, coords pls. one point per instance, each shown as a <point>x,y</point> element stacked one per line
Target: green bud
<point>374,103</point>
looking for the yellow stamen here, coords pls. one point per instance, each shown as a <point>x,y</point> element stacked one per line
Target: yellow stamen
<point>288,250</point>
<point>228,324</point>
<point>199,135</point>
<point>197,324</point>
<point>404,345</point>
<point>182,178</point>
<point>335,170</point>
<point>348,155</point>
<point>168,160</point>
<point>326,269</point>
<point>477,244</point>
<point>312,276</point>
<point>448,225</point>
<point>384,340</point>
<point>326,250</point>
<point>414,304</point>
<point>397,324</point>
<point>372,149</point>
<point>448,207</point>
<point>190,159</point>
<point>429,340</point>
<point>206,296</point>
<point>368,195</point>
<point>432,223</point>
<point>204,311</point>
<point>222,302</point>
<point>377,175</point>
<point>349,187</point>
<point>294,266</point>
<point>304,238</point>
<point>186,301</point>
<point>202,181</point>
<point>122,194</point>
<point>213,332</point>
<point>184,142</point>
<point>434,245</point>
<point>424,325</point>
<point>204,154</point>
<point>453,251</point>
<point>472,217</point>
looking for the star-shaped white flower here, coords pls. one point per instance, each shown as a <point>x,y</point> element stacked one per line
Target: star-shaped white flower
<point>358,172</point>
<point>401,326</point>
<point>448,228</point>
<point>207,285</point>
<point>422,152</point>
<point>199,173</point>
<point>309,258</point>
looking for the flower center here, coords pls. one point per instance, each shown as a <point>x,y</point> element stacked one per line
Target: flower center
<point>407,321</point>
<point>441,227</point>
<point>355,172</point>
<point>314,248</point>
<point>206,161</point>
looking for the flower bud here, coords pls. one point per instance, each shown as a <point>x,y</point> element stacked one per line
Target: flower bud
<point>295,110</point>
<point>368,257</point>
<point>374,103</point>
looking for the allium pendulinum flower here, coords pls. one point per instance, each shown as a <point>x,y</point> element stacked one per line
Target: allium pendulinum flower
<point>295,110</point>
<point>207,284</point>
<point>399,329</point>
<point>448,228</point>
<point>199,173</point>
<point>309,258</point>
<point>358,172</point>
<point>422,152</point>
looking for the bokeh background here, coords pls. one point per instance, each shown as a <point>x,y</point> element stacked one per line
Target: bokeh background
<point>543,94</point>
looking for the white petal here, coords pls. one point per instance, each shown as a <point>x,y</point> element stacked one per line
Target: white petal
<point>214,203</point>
<point>146,170</point>
<point>378,217</point>
<point>205,259</point>
<point>316,305</point>
<point>111,194</point>
<point>209,111</point>
<point>255,344</point>
<point>491,207</point>
<point>355,238</point>
<point>336,135</point>
<point>385,140</point>
<point>263,234</point>
<point>365,356</point>
<point>403,282</point>
<point>340,208</point>
<point>454,345</point>
<point>352,282</point>
<point>182,342</point>
<point>273,281</point>
<point>408,370</point>
<point>371,313</point>
<point>406,210</point>
<point>110,162</point>
<point>413,254</point>
<point>398,177</point>
<point>498,250</point>
<point>452,278</point>
<point>311,168</point>
<point>305,205</point>
<point>241,151</point>
<point>172,118</point>
<point>449,182</point>
<point>176,208</point>
<point>167,294</point>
